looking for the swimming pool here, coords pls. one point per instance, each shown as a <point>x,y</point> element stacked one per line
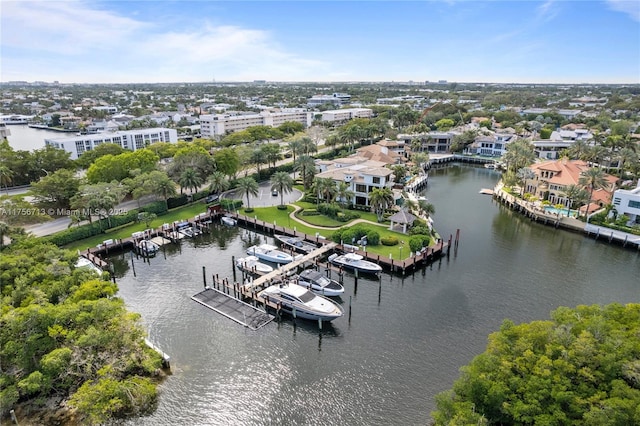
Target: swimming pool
<point>562,212</point>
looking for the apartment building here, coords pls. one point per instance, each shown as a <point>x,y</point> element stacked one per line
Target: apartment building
<point>335,98</point>
<point>218,125</point>
<point>127,139</point>
<point>346,114</point>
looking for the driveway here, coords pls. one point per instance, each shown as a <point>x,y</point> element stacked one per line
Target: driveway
<point>264,197</point>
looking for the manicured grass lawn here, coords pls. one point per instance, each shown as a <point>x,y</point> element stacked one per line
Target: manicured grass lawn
<point>181,213</point>
<point>281,218</point>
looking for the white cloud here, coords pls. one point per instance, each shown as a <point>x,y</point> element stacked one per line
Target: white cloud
<point>547,10</point>
<point>631,8</point>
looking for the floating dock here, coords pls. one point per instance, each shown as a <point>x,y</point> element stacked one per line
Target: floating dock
<point>232,308</point>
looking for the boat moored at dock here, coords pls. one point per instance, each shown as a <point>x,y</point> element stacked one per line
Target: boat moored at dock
<point>252,265</point>
<point>355,262</point>
<point>296,243</point>
<point>301,303</point>
<point>318,283</point>
<point>270,253</point>
<point>229,221</point>
<point>147,248</point>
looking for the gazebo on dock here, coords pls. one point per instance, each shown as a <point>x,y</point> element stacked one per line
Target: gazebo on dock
<point>403,218</point>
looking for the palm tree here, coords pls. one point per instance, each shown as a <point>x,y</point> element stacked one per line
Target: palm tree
<point>281,181</point>
<point>426,208</point>
<point>258,158</point>
<point>307,167</point>
<point>592,178</point>
<point>6,176</point>
<point>519,154</point>
<point>295,147</point>
<point>626,156</point>
<point>344,194</point>
<point>307,146</point>
<point>164,187</point>
<point>399,172</point>
<point>524,174</point>
<point>325,188</point>
<point>379,200</point>
<point>248,186</point>
<point>574,193</point>
<point>218,182</point>
<point>578,150</point>
<point>190,179</point>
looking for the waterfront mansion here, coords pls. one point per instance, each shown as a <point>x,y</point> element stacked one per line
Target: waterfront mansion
<point>551,178</point>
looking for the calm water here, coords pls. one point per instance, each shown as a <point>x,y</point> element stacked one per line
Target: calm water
<point>406,339</point>
<point>25,138</point>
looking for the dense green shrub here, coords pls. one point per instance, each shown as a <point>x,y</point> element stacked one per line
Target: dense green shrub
<point>174,202</point>
<point>158,207</point>
<point>416,230</point>
<point>389,241</point>
<point>309,212</point>
<point>415,243</point>
<point>347,216</point>
<point>350,235</point>
<point>332,210</point>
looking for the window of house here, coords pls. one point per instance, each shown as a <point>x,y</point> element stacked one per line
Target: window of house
<point>361,188</point>
<point>376,179</point>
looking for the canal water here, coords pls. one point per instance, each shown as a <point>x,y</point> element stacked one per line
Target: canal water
<point>406,339</point>
<point>25,138</point>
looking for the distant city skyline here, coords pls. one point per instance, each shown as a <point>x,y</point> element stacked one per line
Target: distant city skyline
<point>543,42</point>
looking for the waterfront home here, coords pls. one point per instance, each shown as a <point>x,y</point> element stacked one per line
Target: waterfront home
<point>388,152</point>
<point>627,202</point>
<point>432,142</point>
<point>362,175</point>
<point>494,145</point>
<point>551,178</point>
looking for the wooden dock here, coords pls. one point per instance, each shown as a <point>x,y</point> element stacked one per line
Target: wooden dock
<point>243,313</point>
<point>259,282</point>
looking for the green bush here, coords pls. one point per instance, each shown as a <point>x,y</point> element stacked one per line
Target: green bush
<point>389,241</point>
<point>248,210</point>
<point>417,230</point>
<point>415,243</point>
<point>373,238</point>
<point>158,207</point>
<point>309,212</point>
<point>349,235</point>
<point>282,207</point>
<point>177,201</point>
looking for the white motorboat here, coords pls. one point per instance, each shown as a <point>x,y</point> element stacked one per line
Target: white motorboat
<point>84,263</point>
<point>270,254</point>
<point>147,247</point>
<point>190,232</point>
<point>296,243</point>
<point>253,265</point>
<point>301,303</point>
<point>229,221</point>
<point>318,283</point>
<point>354,261</point>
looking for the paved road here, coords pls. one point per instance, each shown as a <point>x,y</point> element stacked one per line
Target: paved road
<point>264,197</point>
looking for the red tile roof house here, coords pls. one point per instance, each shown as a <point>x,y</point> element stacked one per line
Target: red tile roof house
<point>552,177</point>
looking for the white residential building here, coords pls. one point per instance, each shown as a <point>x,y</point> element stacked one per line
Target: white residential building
<point>346,114</point>
<point>336,99</point>
<point>490,146</point>
<point>362,175</point>
<point>127,139</point>
<point>627,201</point>
<point>216,125</point>
<point>433,142</point>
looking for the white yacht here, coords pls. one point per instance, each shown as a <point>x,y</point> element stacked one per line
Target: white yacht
<point>270,254</point>
<point>301,303</point>
<point>84,263</point>
<point>296,243</point>
<point>229,221</point>
<point>354,261</point>
<point>253,265</point>
<point>318,283</point>
<point>147,247</point>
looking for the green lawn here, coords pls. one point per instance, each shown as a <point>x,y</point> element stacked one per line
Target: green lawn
<point>281,218</point>
<point>180,213</point>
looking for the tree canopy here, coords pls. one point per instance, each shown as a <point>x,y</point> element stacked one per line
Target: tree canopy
<point>64,334</point>
<point>580,368</point>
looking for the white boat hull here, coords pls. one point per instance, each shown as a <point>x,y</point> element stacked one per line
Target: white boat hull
<point>355,264</point>
<point>290,298</point>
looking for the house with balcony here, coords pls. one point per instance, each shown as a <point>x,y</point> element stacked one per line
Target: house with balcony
<point>432,142</point>
<point>362,175</point>
<point>494,145</point>
<point>551,179</point>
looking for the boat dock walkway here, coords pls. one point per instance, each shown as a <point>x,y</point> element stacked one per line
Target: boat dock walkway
<point>243,313</point>
<point>258,282</point>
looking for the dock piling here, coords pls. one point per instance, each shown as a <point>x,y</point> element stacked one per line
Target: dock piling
<point>204,276</point>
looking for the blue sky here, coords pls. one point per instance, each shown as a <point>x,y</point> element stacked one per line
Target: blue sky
<point>195,41</point>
